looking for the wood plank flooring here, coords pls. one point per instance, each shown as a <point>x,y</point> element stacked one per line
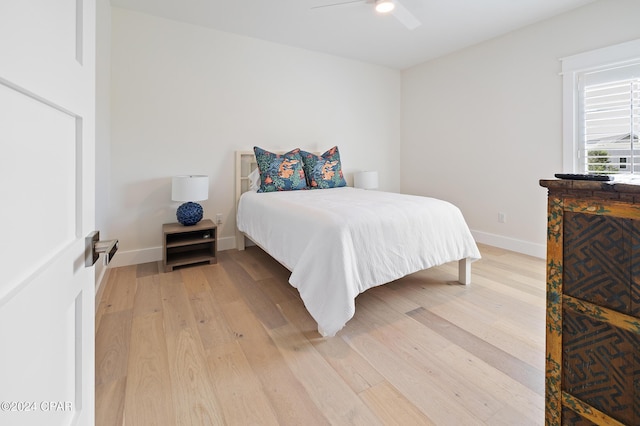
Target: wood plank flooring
<point>232,344</point>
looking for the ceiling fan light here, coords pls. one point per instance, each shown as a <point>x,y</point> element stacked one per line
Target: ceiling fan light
<point>384,6</point>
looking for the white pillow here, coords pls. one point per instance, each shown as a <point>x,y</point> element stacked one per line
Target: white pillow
<point>254,180</point>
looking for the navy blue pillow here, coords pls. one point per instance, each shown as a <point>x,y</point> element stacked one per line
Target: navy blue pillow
<point>323,171</point>
<point>280,172</point>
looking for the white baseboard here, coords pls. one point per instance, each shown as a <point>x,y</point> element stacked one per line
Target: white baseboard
<point>102,276</point>
<point>101,272</point>
<point>135,257</point>
<point>227,243</point>
<point>520,246</point>
<point>154,254</point>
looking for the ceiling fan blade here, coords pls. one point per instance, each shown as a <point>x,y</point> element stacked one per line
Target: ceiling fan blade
<point>403,15</point>
<point>342,3</point>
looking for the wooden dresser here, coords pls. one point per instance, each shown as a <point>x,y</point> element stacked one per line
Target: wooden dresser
<point>593,303</point>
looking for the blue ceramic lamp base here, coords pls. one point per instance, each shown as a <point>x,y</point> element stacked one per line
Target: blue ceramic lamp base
<point>189,213</point>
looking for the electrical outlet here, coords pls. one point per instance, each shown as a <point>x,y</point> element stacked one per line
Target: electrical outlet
<point>502,217</point>
<point>218,218</point>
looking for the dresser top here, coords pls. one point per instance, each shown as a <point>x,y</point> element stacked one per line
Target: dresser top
<point>586,185</point>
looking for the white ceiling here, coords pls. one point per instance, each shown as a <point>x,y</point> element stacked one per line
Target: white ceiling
<point>355,30</point>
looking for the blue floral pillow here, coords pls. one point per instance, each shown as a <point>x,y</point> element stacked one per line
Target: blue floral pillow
<point>280,172</point>
<point>324,171</point>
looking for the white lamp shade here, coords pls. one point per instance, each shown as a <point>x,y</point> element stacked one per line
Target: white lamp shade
<point>190,188</point>
<point>365,180</point>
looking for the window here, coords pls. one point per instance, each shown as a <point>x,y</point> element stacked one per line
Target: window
<point>602,111</point>
<point>609,120</point>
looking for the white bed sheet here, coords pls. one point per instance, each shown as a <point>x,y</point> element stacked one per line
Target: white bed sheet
<point>340,242</point>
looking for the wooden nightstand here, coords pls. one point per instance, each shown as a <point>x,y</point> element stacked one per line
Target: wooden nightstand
<point>187,245</point>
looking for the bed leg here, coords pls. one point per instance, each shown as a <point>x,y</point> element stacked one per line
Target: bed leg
<point>464,271</point>
<point>239,240</point>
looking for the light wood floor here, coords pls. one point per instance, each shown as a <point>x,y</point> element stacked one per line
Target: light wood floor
<point>233,344</point>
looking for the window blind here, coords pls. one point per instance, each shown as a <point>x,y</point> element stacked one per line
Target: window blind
<point>610,126</point>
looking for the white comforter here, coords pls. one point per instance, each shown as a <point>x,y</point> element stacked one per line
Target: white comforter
<point>340,242</point>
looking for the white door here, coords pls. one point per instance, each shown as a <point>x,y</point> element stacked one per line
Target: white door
<point>47,97</point>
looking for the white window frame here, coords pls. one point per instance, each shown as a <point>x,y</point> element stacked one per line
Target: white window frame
<point>572,68</point>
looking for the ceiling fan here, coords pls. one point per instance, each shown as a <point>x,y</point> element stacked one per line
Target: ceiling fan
<point>394,7</point>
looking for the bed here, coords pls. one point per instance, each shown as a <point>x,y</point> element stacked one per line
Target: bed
<point>339,242</point>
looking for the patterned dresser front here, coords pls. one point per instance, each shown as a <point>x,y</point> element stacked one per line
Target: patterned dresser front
<point>593,303</point>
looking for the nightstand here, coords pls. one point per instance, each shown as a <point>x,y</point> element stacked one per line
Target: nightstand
<point>188,245</point>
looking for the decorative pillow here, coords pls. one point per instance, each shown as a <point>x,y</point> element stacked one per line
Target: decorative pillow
<point>254,180</point>
<point>324,171</point>
<point>280,172</point>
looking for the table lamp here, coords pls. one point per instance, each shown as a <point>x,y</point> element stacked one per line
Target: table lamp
<point>365,180</point>
<point>189,188</point>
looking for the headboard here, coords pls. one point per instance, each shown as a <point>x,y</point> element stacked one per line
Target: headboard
<point>245,164</point>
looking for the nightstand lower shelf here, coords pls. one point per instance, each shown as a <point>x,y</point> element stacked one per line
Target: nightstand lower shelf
<point>189,245</point>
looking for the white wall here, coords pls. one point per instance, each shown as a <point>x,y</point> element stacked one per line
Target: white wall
<point>103,122</point>
<point>184,98</point>
<point>480,127</point>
